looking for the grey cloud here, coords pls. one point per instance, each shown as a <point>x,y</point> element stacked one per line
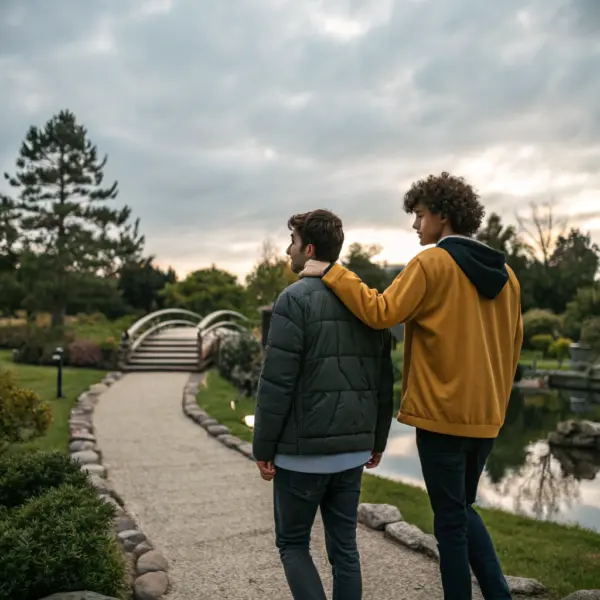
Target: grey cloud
<point>218,119</point>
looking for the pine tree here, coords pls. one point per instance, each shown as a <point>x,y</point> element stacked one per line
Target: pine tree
<point>65,216</point>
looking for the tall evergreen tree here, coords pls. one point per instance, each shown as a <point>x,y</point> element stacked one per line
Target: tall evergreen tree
<point>59,180</point>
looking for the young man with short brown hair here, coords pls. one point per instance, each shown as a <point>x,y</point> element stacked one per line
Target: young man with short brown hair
<point>461,307</point>
<point>323,412</point>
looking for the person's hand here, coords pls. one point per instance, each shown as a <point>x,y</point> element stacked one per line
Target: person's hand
<point>266,468</point>
<point>374,460</point>
<point>313,268</point>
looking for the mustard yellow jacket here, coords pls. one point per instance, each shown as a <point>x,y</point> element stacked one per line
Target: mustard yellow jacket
<point>463,334</point>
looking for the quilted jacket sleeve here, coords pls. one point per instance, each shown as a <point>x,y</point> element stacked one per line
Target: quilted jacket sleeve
<point>280,372</point>
<point>385,408</point>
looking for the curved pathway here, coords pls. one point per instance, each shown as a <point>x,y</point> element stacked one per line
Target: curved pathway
<point>208,511</point>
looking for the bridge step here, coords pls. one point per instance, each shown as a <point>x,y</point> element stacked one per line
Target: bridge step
<point>168,356</point>
<point>135,367</point>
<point>164,360</point>
<point>169,350</point>
<point>170,342</point>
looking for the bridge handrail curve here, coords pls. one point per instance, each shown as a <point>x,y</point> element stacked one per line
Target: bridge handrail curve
<point>159,313</point>
<point>220,324</point>
<point>158,327</point>
<point>205,321</point>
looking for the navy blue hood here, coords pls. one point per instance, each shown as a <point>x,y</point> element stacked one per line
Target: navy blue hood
<point>484,266</point>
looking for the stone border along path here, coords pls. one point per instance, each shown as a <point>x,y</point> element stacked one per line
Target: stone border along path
<point>378,517</point>
<point>147,568</point>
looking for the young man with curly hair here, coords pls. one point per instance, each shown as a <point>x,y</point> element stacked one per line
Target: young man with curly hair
<point>461,307</point>
<point>323,412</point>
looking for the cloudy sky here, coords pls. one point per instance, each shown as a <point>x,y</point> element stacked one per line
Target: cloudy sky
<point>223,117</point>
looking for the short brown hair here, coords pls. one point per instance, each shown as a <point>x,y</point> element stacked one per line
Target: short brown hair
<point>323,230</point>
<point>450,196</point>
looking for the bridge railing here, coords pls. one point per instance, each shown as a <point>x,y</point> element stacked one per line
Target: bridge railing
<point>153,323</point>
<point>210,330</point>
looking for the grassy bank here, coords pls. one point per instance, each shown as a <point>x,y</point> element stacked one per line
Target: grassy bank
<point>563,558</point>
<point>43,381</point>
<point>528,357</point>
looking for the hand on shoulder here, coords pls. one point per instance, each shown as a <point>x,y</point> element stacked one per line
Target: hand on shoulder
<point>313,268</point>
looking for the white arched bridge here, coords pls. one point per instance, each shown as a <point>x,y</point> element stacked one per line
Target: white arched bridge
<point>175,339</point>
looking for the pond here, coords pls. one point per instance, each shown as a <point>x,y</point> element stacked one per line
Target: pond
<point>523,474</point>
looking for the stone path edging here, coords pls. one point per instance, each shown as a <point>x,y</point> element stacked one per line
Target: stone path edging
<point>221,432</point>
<point>381,517</point>
<point>149,577</point>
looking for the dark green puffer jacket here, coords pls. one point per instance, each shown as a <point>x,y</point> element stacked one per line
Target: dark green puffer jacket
<point>327,381</point>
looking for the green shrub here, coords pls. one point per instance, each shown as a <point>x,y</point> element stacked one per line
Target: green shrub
<point>25,475</point>
<point>584,306</point>
<point>560,349</point>
<point>590,334</point>
<point>23,416</point>
<point>539,321</point>
<point>60,541</point>
<point>240,361</point>
<point>38,347</point>
<point>542,342</point>
<point>84,353</point>
<point>12,336</point>
<point>40,343</point>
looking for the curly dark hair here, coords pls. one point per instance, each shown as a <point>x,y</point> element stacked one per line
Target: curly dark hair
<point>321,228</point>
<point>450,196</point>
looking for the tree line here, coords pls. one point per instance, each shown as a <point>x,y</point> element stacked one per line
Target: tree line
<point>66,249</point>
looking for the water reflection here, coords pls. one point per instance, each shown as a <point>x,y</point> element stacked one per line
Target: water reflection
<point>523,474</point>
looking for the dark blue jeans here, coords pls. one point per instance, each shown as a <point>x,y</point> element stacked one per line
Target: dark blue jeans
<point>297,496</point>
<point>452,467</point>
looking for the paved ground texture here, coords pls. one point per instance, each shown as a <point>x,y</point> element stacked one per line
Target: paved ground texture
<point>207,510</point>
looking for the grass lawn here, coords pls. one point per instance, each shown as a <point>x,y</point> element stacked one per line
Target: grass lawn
<point>565,559</point>
<point>545,364</point>
<point>43,381</point>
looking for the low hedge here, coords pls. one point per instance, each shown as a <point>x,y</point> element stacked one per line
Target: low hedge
<point>37,345</point>
<point>25,475</point>
<point>55,531</point>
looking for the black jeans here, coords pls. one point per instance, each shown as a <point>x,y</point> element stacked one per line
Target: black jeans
<point>297,496</point>
<point>452,467</point>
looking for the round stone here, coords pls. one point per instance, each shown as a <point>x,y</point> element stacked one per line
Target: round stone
<point>151,586</point>
<point>79,445</point>
<point>86,457</point>
<point>94,469</point>
<point>151,561</point>
<point>141,549</point>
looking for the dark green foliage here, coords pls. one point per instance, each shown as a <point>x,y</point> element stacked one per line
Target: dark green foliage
<point>37,346</point>
<point>585,305</point>
<point>205,291</point>
<point>359,260</point>
<point>590,334</point>
<point>539,322</point>
<point>240,361</point>
<point>66,224</point>
<point>550,269</point>
<point>40,343</point>
<point>12,336</point>
<point>59,541</point>
<point>25,475</point>
<point>140,283</point>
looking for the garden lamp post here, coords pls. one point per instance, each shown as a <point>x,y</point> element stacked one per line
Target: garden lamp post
<point>58,357</point>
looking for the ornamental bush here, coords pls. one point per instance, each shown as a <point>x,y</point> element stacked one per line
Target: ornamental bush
<point>25,475</point>
<point>59,541</point>
<point>23,415</point>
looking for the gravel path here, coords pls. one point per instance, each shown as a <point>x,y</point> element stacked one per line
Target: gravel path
<point>207,510</point>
